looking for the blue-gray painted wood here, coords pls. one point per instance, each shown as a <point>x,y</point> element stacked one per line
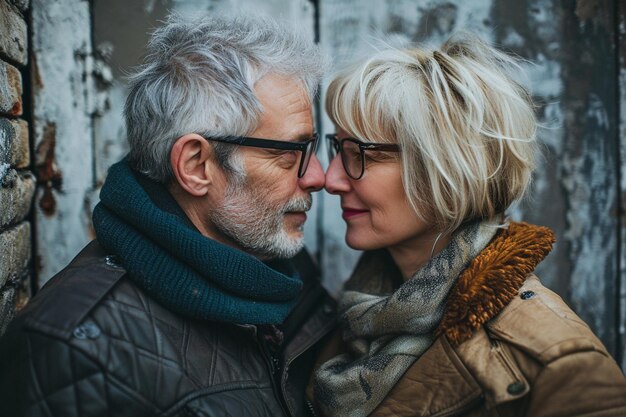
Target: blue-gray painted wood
<point>574,73</point>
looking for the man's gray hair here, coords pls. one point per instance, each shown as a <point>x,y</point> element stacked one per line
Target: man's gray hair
<point>199,77</point>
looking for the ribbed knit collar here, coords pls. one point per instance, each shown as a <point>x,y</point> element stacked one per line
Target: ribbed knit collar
<point>165,255</point>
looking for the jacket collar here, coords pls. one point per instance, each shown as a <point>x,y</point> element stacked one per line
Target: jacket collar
<point>441,376</point>
<point>493,278</point>
<point>80,295</point>
<point>484,288</point>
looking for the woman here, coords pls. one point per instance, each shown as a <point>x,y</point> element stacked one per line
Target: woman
<point>443,315</point>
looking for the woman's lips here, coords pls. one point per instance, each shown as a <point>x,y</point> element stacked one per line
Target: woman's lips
<point>349,212</point>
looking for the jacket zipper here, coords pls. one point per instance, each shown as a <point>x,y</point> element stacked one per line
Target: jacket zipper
<point>273,366</point>
<point>311,408</point>
<point>323,332</point>
<point>505,359</point>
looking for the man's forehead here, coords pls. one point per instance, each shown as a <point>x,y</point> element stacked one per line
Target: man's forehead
<point>287,111</point>
<point>283,88</point>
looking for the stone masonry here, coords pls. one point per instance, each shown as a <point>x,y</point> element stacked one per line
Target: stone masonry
<point>17,183</point>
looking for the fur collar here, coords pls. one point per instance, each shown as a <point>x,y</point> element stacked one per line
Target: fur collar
<point>493,279</point>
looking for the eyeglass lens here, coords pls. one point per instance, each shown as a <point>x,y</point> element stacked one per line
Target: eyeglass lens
<point>352,159</point>
<point>332,148</point>
<point>311,148</point>
<point>351,156</point>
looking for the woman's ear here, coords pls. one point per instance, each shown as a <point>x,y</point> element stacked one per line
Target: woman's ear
<point>192,164</point>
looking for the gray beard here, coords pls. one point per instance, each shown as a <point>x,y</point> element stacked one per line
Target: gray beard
<point>257,226</point>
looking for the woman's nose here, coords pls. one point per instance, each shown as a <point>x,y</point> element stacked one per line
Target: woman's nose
<point>337,181</point>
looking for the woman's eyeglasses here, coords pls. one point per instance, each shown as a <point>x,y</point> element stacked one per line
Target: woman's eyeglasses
<point>353,153</point>
<point>307,147</point>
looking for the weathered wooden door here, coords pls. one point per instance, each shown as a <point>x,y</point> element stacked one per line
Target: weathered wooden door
<point>576,65</point>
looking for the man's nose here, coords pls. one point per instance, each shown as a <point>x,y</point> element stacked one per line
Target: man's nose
<point>314,178</point>
<point>337,181</point>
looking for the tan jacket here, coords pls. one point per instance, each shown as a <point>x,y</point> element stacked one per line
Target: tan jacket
<point>508,346</point>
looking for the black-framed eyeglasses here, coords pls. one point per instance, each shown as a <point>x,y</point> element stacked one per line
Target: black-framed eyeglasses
<point>307,147</point>
<point>353,153</point>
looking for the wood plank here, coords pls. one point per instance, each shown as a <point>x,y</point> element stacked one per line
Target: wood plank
<point>620,22</point>
<point>575,185</point>
<point>587,166</point>
<point>62,88</point>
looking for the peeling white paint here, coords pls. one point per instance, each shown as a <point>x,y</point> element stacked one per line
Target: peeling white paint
<point>543,17</point>
<point>550,129</point>
<point>61,45</point>
<point>513,39</point>
<point>110,135</point>
<point>545,76</point>
<point>473,14</point>
<point>299,12</point>
<point>589,216</point>
<point>597,111</point>
<point>622,148</point>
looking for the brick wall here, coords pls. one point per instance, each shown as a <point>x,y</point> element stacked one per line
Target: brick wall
<point>17,183</point>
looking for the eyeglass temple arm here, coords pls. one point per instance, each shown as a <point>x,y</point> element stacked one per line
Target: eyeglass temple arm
<point>389,147</point>
<point>265,143</point>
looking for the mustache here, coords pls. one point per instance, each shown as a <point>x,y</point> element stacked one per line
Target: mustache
<point>298,204</point>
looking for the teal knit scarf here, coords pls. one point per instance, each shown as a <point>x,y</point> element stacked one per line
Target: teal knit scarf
<point>183,270</point>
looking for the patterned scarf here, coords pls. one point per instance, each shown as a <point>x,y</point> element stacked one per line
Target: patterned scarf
<point>385,331</point>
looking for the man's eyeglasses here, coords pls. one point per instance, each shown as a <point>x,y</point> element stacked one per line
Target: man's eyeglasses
<point>353,153</point>
<point>307,147</point>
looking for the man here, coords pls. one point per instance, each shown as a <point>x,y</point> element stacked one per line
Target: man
<point>195,299</point>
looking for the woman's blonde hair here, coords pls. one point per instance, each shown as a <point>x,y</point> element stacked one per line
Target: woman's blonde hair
<point>465,126</point>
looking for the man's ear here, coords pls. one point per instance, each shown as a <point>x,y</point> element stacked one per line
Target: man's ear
<point>192,163</point>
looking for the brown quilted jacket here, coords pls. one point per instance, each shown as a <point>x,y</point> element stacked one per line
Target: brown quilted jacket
<point>507,345</point>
